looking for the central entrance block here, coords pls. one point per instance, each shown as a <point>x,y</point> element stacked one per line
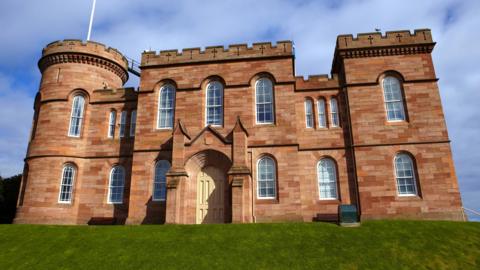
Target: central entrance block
<point>210,195</point>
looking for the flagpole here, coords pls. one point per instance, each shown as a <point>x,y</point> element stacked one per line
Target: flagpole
<point>91,20</point>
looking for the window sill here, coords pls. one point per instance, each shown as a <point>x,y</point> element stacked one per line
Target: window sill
<point>409,197</point>
<point>329,201</point>
<point>265,125</point>
<point>261,201</point>
<point>396,123</point>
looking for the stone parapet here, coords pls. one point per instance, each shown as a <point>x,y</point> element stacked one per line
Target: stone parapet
<point>217,53</point>
<point>90,52</point>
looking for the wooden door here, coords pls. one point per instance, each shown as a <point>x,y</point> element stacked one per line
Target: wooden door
<point>210,196</point>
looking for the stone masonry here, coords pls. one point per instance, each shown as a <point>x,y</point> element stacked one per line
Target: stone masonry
<point>363,146</point>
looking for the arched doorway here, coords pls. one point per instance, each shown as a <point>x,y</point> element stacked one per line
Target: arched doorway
<point>207,171</point>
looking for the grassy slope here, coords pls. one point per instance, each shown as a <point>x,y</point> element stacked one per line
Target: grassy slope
<point>375,245</point>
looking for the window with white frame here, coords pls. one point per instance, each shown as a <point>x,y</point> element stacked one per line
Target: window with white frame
<point>214,104</point>
<point>133,123</point>
<point>66,184</point>
<point>160,180</point>
<point>116,185</point>
<point>405,175</point>
<point>111,124</point>
<point>309,113</point>
<point>266,178</point>
<point>264,101</point>
<point>166,106</point>
<point>76,116</point>
<point>334,112</point>
<point>123,123</point>
<point>392,94</point>
<point>327,179</point>
<point>322,119</point>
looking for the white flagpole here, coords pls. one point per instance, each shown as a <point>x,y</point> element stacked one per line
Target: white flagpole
<point>91,20</point>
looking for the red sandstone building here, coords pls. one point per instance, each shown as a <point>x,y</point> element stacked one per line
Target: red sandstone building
<point>232,135</point>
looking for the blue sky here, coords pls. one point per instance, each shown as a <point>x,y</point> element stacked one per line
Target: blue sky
<point>133,26</point>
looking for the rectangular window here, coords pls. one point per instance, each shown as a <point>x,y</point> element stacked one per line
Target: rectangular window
<point>76,116</point>
<point>322,119</point>
<point>123,123</point>
<point>309,113</point>
<point>111,124</point>
<point>334,112</point>
<point>66,185</point>
<point>133,123</point>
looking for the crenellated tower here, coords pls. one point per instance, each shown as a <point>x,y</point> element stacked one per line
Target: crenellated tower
<point>72,71</point>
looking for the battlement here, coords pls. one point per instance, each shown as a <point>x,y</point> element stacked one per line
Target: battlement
<point>375,44</point>
<point>89,52</point>
<point>217,53</point>
<point>88,47</point>
<point>317,82</point>
<point>392,38</point>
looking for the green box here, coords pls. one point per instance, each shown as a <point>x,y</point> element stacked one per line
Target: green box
<point>347,213</point>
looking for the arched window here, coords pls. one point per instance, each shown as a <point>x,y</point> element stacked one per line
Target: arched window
<point>214,108</point>
<point>266,178</point>
<point>133,123</point>
<point>76,116</point>
<point>405,175</point>
<point>111,124</point>
<point>264,101</point>
<point>327,179</point>
<point>308,113</point>
<point>160,181</point>
<point>116,185</point>
<point>66,184</point>
<point>322,119</point>
<point>392,94</point>
<point>334,112</point>
<point>166,106</point>
<point>123,123</point>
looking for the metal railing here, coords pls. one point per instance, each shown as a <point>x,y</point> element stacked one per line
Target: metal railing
<point>470,211</point>
<point>133,66</point>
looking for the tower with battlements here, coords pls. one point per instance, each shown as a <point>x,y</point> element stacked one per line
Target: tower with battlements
<point>231,134</point>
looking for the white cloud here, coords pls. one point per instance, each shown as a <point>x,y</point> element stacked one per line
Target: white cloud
<point>133,26</point>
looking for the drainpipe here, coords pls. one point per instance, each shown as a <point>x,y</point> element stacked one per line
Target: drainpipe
<point>352,149</point>
<point>251,185</point>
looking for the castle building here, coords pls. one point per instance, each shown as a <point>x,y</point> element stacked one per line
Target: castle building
<point>232,135</point>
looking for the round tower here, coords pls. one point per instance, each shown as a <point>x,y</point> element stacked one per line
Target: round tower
<point>71,71</point>
<point>71,68</point>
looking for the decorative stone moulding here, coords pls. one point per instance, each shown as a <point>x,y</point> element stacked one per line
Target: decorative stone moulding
<point>90,53</point>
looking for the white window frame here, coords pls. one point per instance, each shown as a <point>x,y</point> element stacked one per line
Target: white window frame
<point>394,101</point>
<point>62,184</point>
<point>207,106</point>
<point>322,117</point>
<point>133,123</point>
<point>112,121</point>
<point>156,180</point>
<point>272,103</point>
<point>109,199</point>
<point>79,115</point>
<point>330,182</point>
<point>123,124</point>
<point>274,179</point>
<point>334,112</point>
<point>160,110</point>
<point>309,120</point>
<point>412,164</point>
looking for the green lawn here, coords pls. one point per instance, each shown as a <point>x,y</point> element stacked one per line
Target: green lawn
<point>374,245</point>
